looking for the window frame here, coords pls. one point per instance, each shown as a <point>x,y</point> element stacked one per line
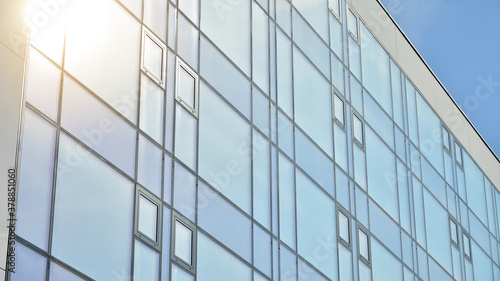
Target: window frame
<point>336,95</point>
<point>467,249</point>
<point>333,12</point>
<point>350,11</point>
<point>447,147</point>
<point>366,260</point>
<point>361,143</point>
<point>161,81</point>
<point>458,148</point>
<point>141,191</point>
<point>179,63</point>
<point>457,237</point>
<point>342,212</point>
<point>176,217</point>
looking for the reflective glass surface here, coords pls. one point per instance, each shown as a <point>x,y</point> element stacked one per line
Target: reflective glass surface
<point>58,273</point>
<point>148,217</point>
<point>146,263</point>
<point>83,193</point>
<point>183,242</point>
<point>153,57</point>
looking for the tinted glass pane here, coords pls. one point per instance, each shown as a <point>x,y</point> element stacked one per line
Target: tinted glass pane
<point>229,29</point>
<point>185,136</point>
<point>184,191</point>
<point>95,49</point>
<point>262,250</point>
<point>35,183</point>
<point>146,263</point>
<point>29,265</point>
<point>215,263</point>
<point>284,60</point>
<point>428,129</point>
<point>191,9</point>
<point>180,275</point>
<point>376,72</point>
<point>482,264</point>
<point>151,117</point>
<point>260,47</point>
<point>148,212</point>
<point>340,144</point>
<point>58,273</point>
<point>310,43</point>
<point>476,195</point>
<point>345,264</point>
<point>379,120</point>
<point>153,57</point>
<point>335,37</point>
<point>102,130</point>
<point>43,84</point>
<point>225,77</point>
<point>187,45</point>
<point>83,194</point>
<point>286,201</point>
<point>381,170</point>
<point>261,181</point>
<point>183,242</point>
<point>222,163</point>
<point>446,138</point>
<point>149,166</point>
<point>352,21</point>
<point>313,102</point>
<point>453,231</point>
<point>224,222</point>
<point>438,234</point>
<point>315,224</point>
<point>283,15</point>
<point>384,265</point>
<point>155,17</point>
<point>386,230</point>
<point>315,13</point>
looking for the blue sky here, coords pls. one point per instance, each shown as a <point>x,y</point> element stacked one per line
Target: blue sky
<point>460,41</point>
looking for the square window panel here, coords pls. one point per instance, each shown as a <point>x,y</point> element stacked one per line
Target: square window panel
<point>153,57</point>
<point>187,87</point>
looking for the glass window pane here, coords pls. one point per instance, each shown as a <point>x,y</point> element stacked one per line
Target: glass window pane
<point>384,265</point>
<point>314,12</point>
<point>334,7</point>
<point>151,112</point>
<point>262,250</point>
<point>286,201</point>
<point>35,182</point>
<point>260,47</point>
<point>458,154</point>
<point>179,274</point>
<point>155,17</point>
<point>385,229</point>
<point>229,29</point>
<point>190,8</point>
<point>312,111</point>
<point>59,273</point>
<point>148,217</point>
<point>187,44</point>
<point>344,227</point>
<point>225,77</point>
<point>223,129</point>
<point>215,263</point>
<point>352,23</point>
<point>345,263</point>
<point>153,57</point>
<point>102,130</point>
<point>428,130</point>
<point>43,84</point>
<point>95,49</point>
<point>183,242</point>
<point>315,224</point>
<point>224,222</point>
<point>283,15</point>
<point>284,72</point>
<point>261,181</point>
<point>184,191</point>
<point>363,245</point>
<point>185,136</point>
<point>29,265</point>
<point>357,129</point>
<point>466,245</point>
<point>146,263</point>
<point>149,168</point>
<point>83,194</point>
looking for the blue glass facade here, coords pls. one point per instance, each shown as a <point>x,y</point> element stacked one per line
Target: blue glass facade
<point>238,140</point>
